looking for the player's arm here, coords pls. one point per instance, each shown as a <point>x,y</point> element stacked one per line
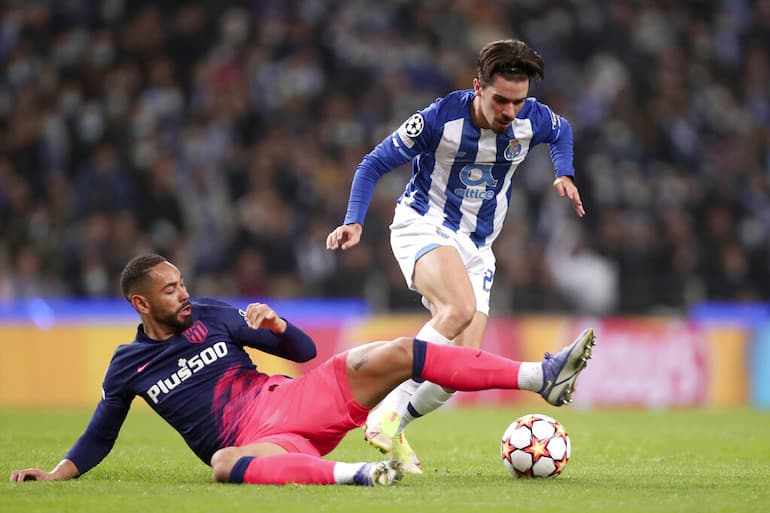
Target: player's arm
<point>397,149</point>
<point>379,161</point>
<point>555,130</point>
<point>562,155</point>
<point>263,329</point>
<point>90,449</point>
<point>66,469</point>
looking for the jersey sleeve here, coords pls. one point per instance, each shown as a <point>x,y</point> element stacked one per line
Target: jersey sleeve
<point>412,138</point>
<point>554,130</point>
<point>102,431</point>
<point>293,344</point>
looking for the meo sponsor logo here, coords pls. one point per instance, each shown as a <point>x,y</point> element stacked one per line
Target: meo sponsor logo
<point>476,178</point>
<point>186,369</point>
<point>474,193</point>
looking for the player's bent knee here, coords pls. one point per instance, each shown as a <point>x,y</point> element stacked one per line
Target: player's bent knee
<point>402,351</point>
<point>465,312</point>
<point>222,463</point>
<point>456,317</point>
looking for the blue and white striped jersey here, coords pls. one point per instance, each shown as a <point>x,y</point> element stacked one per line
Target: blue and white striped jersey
<point>461,175</point>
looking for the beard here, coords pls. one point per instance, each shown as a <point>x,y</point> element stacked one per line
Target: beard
<point>501,125</point>
<point>173,321</point>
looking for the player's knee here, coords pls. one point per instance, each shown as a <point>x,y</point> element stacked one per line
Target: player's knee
<point>456,317</point>
<point>222,463</point>
<point>402,350</point>
<point>398,355</point>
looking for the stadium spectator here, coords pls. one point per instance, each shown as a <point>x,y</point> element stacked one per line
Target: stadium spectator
<point>669,104</point>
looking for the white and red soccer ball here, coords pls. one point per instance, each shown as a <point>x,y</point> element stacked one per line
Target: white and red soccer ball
<point>535,445</point>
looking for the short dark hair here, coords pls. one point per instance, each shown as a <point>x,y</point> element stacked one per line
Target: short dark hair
<point>508,58</point>
<point>135,272</point>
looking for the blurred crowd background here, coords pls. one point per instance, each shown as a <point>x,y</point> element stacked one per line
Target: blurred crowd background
<point>224,135</point>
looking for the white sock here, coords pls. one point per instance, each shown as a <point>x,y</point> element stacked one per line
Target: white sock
<point>399,397</point>
<point>531,376</point>
<point>429,334</point>
<point>427,398</point>
<point>344,472</point>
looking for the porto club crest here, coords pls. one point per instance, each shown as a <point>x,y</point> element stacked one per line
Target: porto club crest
<point>513,150</point>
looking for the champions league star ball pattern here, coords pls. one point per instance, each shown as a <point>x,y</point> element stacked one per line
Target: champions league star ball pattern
<point>414,125</point>
<point>535,445</point>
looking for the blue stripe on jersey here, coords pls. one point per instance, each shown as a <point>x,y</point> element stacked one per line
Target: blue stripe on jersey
<point>469,147</point>
<point>419,185</point>
<point>486,215</point>
<point>424,163</point>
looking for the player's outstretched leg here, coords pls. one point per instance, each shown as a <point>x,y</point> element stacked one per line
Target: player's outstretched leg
<point>467,369</point>
<point>299,468</point>
<point>463,368</point>
<point>561,369</point>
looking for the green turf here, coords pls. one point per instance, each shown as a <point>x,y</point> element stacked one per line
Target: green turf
<point>695,460</point>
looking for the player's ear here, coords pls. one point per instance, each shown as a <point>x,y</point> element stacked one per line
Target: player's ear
<point>140,303</point>
<point>476,86</point>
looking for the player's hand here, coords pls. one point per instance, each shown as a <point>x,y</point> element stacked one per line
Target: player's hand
<point>31,474</point>
<point>66,469</point>
<point>259,315</point>
<point>345,236</point>
<point>565,187</point>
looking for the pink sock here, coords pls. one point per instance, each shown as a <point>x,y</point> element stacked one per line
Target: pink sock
<point>465,368</point>
<point>289,468</point>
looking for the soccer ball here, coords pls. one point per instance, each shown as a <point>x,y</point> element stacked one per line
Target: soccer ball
<point>535,445</point>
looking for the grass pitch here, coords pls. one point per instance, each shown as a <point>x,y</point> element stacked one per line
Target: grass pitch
<point>630,461</point>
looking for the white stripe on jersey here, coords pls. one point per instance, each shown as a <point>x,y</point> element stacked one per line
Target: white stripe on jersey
<point>522,128</point>
<point>446,151</point>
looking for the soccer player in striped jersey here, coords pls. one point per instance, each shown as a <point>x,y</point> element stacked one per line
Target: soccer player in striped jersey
<point>188,363</point>
<point>464,149</point>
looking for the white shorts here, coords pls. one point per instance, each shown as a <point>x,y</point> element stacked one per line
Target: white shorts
<point>412,235</point>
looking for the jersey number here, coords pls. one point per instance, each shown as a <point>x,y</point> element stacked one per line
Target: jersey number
<point>489,276</point>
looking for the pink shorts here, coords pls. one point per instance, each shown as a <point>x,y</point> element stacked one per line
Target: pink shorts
<point>310,414</point>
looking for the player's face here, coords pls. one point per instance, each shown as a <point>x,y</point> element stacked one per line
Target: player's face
<point>497,104</point>
<point>168,298</point>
